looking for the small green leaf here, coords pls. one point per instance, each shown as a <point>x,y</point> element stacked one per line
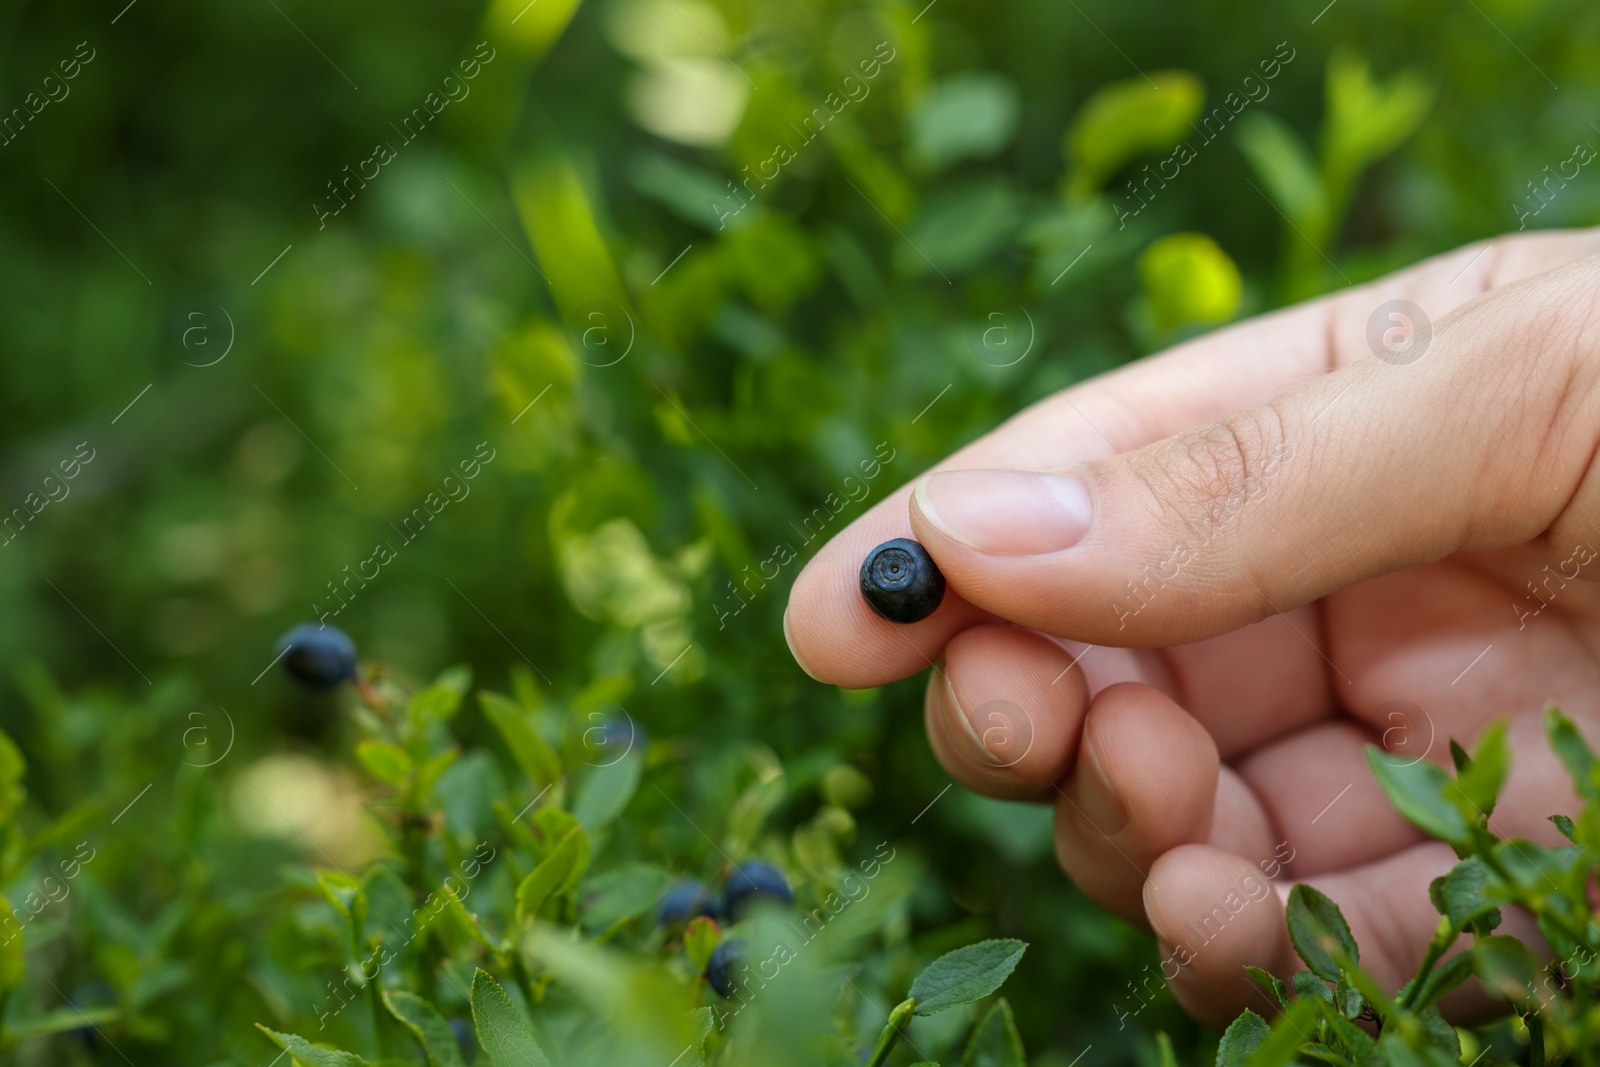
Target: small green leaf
<point>1307,984</point>
<point>12,768</point>
<point>1564,824</point>
<point>701,1020</point>
<point>1187,278</point>
<point>464,922</point>
<point>965,975</point>
<point>384,760</point>
<point>1284,165</point>
<point>968,115</point>
<point>502,1033</point>
<point>60,1020</point>
<point>1419,791</point>
<point>442,699</point>
<point>1458,756</point>
<point>606,790</point>
<point>1574,753</point>
<point>700,939</point>
<point>995,1041</point>
<point>532,753</point>
<point>432,770</point>
<point>1165,1057</point>
<point>11,958</point>
<point>1279,1047</point>
<point>1479,784</point>
<point>429,1027</point>
<point>1127,119</point>
<point>1317,930</point>
<point>1355,1040</point>
<point>1507,967</point>
<point>1270,982</point>
<point>1464,894</point>
<point>345,895</point>
<point>311,1055</point>
<point>557,872</point>
<point>1243,1036</point>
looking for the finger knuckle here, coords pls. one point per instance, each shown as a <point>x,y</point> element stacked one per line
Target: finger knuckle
<point>1210,472</point>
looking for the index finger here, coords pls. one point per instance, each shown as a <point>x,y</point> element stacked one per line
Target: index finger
<point>837,639</point>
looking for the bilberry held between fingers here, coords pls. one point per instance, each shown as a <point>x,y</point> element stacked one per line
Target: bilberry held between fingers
<point>900,581</point>
<point>318,657</point>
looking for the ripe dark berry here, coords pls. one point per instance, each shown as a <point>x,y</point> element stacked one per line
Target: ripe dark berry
<point>754,878</point>
<point>318,657</point>
<point>719,968</point>
<point>683,901</point>
<point>900,581</point>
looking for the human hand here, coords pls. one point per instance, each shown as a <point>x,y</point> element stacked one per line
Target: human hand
<point>1259,552</point>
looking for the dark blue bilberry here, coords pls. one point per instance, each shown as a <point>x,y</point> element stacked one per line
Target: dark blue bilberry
<point>900,581</point>
<point>683,901</point>
<point>319,657</point>
<point>751,879</point>
<point>719,968</point>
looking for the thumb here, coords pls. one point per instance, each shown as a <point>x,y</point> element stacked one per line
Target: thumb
<point>1477,435</point>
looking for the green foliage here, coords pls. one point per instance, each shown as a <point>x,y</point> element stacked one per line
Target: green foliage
<point>667,367</point>
<point>1553,885</point>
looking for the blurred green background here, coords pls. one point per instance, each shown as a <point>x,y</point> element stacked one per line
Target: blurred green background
<point>616,212</point>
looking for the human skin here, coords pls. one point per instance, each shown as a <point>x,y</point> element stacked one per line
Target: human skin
<point>1385,521</point>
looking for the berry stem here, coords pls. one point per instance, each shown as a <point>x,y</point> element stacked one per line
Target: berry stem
<point>370,696</point>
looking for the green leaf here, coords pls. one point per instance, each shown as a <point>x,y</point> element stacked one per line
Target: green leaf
<point>432,770</point>
<point>700,939</point>
<point>1508,968</point>
<point>1285,166</point>
<point>960,226</point>
<point>701,1020</point>
<point>464,921</point>
<point>1479,784</point>
<point>1367,120</point>
<point>606,790</point>
<point>12,768</point>
<point>1126,119</point>
<point>1443,978</point>
<point>429,1027</point>
<point>1188,278</point>
<point>967,115</point>
<point>557,873</point>
<point>1165,1057</point>
<point>347,896</point>
<point>303,1051</point>
<point>442,699</point>
<point>1458,756</point>
<point>1464,894</point>
<point>1307,984</point>
<point>1419,791</point>
<point>1356,1041</point>
<point>1270,982</point>
<point>1564,824</point>
<point>60,1020</point>
<point>1574,753</point>
<point>384,760</point>
<point>11,958</point>
<point>1279,1047</point>
<point>1441,1035</point>
<point>965,975</point>
<point>995,1041</point>
<point>1317,930</point>
<point>532,753</point>
<point>1243,1036</point>
<point>502,1033</point>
